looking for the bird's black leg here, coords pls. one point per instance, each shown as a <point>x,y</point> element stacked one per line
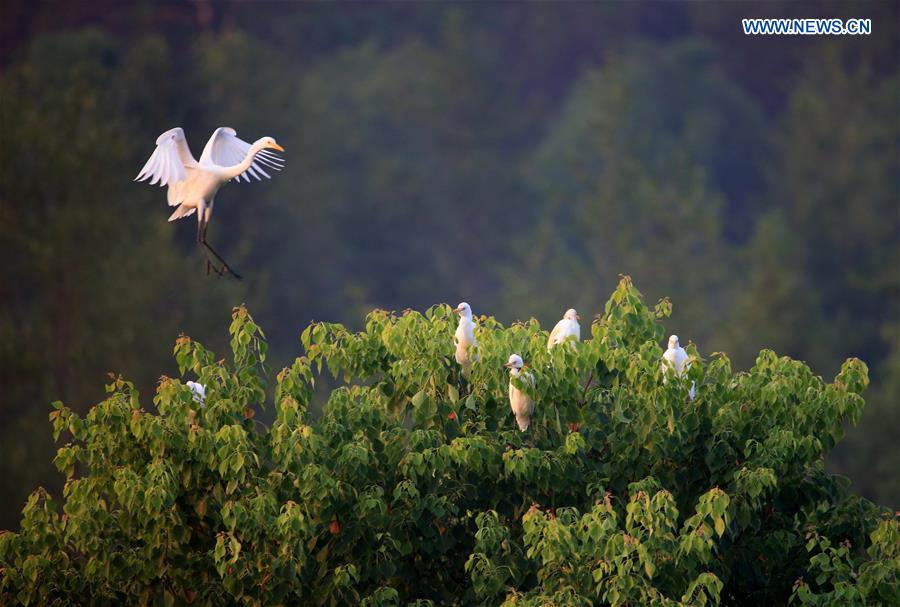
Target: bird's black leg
<point>201,230</point>
<point>211,266</point>
<point>225,266</point>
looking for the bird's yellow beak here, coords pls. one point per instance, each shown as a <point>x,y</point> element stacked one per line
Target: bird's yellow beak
<point>275,146</point>
<point>507,365</point>
<point>578,317</point>
<point>457,310</point>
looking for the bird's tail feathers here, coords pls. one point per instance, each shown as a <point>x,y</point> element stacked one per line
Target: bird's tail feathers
<point>523,422</point>
<point>182,211</point>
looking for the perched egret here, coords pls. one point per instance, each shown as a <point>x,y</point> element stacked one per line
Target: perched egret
<point>564,328</point>
<point>677,359</point>
<point>193,184</point>
<point>465,336</point>
<point>198,390</point>
<point>521,404</point>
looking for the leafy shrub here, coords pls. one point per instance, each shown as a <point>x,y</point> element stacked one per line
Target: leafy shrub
<point>414,486</point>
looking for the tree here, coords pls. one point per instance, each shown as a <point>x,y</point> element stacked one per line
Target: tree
<point>776,304</point>
<point>409,133</point>
<point>846,224</point>
<point>870,453</point>
<point>837,294</point>
<point>626,183</point>
<point>415,487</point>
<point>81,251</point>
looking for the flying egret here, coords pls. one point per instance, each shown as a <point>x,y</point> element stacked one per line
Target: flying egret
<point>677,358</point>
<point>193,184</point>
<point>198,390</point>
<point>465,336</point>
<point>521,404</point>
<point>564,328</point>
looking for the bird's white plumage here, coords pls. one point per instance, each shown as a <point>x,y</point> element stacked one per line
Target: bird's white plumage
<point>193,184</point>
<point>677,359</point>
<point>170,160</point>
<point>464,338</point>
<point>521,404</point>
<point>198,390</point>
<point>225,148</point>
<point>565,328</point>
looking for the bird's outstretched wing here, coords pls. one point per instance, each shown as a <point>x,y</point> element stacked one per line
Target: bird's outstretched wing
<point>169,160</point>
<point>226,149</point>
<point>169,163</point>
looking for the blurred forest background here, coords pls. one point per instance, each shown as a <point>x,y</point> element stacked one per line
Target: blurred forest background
<point>518,156</point>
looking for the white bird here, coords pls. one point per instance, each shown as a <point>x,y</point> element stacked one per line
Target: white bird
<point>464,338</point>
<point>521,404</point>
<point>677,358</point>
<point>193,184</point>
<point>566,327</point>
<point>198,390</point>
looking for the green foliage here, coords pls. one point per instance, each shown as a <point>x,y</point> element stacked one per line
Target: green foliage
<point>877,428</point>
<point>96,272</point>
<point>414,486</point>
<point>627,181</point>
<point>423,139</point>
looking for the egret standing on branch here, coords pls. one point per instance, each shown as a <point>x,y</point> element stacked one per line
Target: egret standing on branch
<point>677,359</point>
<point>198,391</point>
<point>465,337</point>
<point>521,404</point>
<point>564,328</point>
<point>193,184</point>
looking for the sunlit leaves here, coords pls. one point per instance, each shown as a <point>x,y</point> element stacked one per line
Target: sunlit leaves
<point>414,485</point>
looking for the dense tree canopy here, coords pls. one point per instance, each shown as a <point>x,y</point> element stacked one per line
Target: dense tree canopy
<point>517,157</point>
<point>415,487</point>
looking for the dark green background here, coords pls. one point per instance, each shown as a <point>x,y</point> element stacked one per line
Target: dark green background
<point>519,156</point>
